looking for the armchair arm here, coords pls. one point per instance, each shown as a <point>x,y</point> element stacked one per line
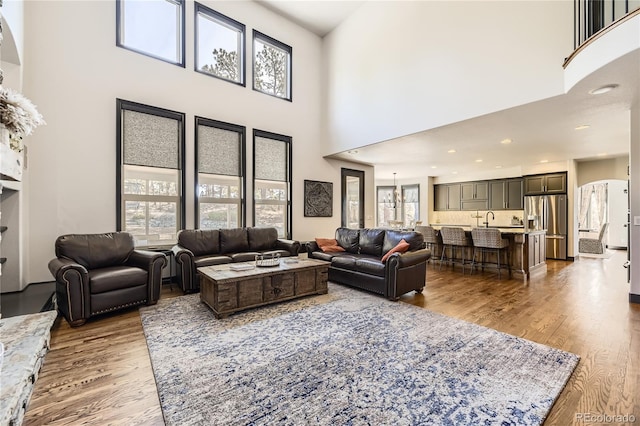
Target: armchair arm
<point>292,246</point>
<point>72,289</point>
<point>411,258</point>
<point>405,272</point>
<point>311,247</point>
<point>185,268</point>
<point>153,262</point>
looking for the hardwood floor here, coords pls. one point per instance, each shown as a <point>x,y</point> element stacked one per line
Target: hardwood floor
<point>100,373</point>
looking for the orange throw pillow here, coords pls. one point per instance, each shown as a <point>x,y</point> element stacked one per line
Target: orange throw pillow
<point>401,247</point>
<point>328,245</point>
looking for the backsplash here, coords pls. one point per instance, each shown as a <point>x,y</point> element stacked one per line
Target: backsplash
<point>466,218</point>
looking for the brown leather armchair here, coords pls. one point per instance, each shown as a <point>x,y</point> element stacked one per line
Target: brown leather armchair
<point>99,273</point>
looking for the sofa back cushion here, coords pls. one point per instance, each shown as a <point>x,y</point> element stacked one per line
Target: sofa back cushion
<point>262,238</point>
<point>348,239</point>
<point>234,240</point>
<point>371,241</point>
<point>392,238</point>
<point>95,251</point>
<point>200,241</point>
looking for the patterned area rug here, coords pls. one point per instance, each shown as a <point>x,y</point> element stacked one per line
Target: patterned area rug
<point>345,358</point>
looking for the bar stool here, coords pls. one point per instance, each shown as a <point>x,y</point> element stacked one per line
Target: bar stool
<point>432,241</point>
<point>453,238</point>
<point>490,240</point>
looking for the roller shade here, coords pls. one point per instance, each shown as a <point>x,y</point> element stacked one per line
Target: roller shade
<point>219,151</point>
<point>150,140</point>
<point>270,159</point>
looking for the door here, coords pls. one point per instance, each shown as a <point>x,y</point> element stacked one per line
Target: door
<point>556,224</point>
<point>352,198</point>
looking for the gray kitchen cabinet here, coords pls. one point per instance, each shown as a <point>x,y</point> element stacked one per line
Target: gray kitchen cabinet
<point>506,194</point>
<point>474,191</point>
<point>551,183</point>
<point>447,196</point>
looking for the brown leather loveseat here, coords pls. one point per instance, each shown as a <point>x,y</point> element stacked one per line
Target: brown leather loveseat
<point>199,247</point>
<point>361,265</point>
<point>98,273</point>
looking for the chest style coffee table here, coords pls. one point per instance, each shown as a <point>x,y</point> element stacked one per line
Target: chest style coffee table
<point>227,291</point>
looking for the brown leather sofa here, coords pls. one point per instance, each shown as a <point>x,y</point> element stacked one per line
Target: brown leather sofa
<point>98,273</point>
<point>197,248</point>
<point>360,265</point>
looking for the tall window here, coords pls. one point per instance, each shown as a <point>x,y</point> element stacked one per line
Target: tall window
<point>150,175</point>
<point>272,181</point>
<point>386,207</point>
<point>220,166</point>
<point>271,66</point>
<point>152,27</point>
<point>410,204</point>
<point>219,45</point>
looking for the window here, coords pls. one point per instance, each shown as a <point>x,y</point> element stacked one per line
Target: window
<point>152,27</point>
<point>220,178</point>
<point>271,66</point>
<point>219,45</point>
<point>150,175</point>
<point>272,181</point>
<point>386,207</point>
<point>410,204</point>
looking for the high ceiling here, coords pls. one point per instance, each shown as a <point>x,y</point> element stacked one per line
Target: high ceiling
<point>543,131</point>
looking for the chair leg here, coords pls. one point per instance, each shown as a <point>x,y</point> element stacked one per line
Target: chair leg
<point>473,259</point>
<point>499,270</point>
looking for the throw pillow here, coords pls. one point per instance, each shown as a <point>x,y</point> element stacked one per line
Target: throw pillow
<point>328,245</point>
<point>401,247</point>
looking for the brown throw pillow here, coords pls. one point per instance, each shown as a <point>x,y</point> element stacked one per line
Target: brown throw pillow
<point>328,245</point>
<point>401,247</point>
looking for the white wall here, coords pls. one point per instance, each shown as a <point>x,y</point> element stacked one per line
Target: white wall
<point>74,72</point>
<point>400,67</point>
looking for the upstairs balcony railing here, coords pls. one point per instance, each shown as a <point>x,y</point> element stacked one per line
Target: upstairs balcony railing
<point>591,16</point>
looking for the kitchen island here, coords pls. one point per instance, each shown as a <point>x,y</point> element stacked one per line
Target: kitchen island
<point>527,250</point>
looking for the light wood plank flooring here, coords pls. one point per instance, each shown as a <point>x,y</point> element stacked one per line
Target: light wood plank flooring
<point>100,373</point>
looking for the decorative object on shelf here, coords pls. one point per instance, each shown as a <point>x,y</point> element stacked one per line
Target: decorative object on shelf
<point>318,199</point>
<point>18,116</point>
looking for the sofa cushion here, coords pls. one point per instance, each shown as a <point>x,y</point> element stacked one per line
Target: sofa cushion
<point>234,240</point>
<point>326,256</point>
<point>401,247</point>
<point>262,238</point>
<point>344,262</point>
<point>95,250</point>
<point>348,239</point>
<point>201,261</point>
<point>370,266</point>
<point>248,256</point>
<point>200,241</point>
<point>392,238</point>
<point>328,245</point>
<point>113,278</point>
<point>371,241</point>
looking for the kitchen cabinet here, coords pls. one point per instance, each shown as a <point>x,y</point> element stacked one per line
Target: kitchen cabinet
<point>537,249</point>
<point>474,191</point>
<point>552,183</point>
<point>506,194</point>
<point>447,196</point>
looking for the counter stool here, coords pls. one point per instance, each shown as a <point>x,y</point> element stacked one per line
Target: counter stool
<point>454,238</point>
<point>490,240</point>
<point>432,241</point>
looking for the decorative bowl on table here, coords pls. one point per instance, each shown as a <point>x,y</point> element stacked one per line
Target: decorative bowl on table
<point>267,260</point>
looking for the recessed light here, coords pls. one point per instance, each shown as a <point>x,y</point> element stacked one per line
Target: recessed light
<point>544,161</point>
<point>434,167</point>
<point>603,89</point>
<point>498,167</point>
<point>452,151</point>
<point>455,173</point>
<point>352,151</point>
<point>506,141</point>
<point>602,154</point>
<point>479,160</point>
<point>582,127</point>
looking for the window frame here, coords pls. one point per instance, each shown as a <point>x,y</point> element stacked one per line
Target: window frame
<point>403,188</point>
<point>378,202</point>
<point>242,130</point>
<point>289,182</point>
<point>265,39</point>
<point>121,106</point>
<point>181,32</point>
<point>224,21</point>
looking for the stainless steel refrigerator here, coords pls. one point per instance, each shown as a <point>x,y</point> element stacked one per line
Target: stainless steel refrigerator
<point>548,212</point>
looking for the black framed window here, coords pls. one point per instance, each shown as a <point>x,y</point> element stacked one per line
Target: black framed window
<point>220,174</point>
<point>219,45</point>
<point>410,195</point>
<point>386,205</point>
<point>272,155</point>
<point>152,27</point>
<point>271,66</point>
<point>150,173</point>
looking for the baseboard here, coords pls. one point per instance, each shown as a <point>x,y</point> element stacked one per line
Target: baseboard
<point>634,298</point>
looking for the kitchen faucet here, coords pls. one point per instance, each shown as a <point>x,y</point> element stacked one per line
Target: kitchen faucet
<point>493,217</point>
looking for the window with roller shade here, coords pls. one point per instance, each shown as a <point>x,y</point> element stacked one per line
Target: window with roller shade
<point>272,181</point>
<point>150,175</point>
<point>221,182</point>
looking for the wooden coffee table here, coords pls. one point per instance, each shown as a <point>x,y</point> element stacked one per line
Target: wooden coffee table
<point>227,291</point>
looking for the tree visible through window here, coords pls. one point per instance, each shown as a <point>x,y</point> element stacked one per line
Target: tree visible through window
<point>219,45</point>
<point>271,66</point>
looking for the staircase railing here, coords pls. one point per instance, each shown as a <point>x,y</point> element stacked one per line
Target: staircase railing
<point>590,16</point>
